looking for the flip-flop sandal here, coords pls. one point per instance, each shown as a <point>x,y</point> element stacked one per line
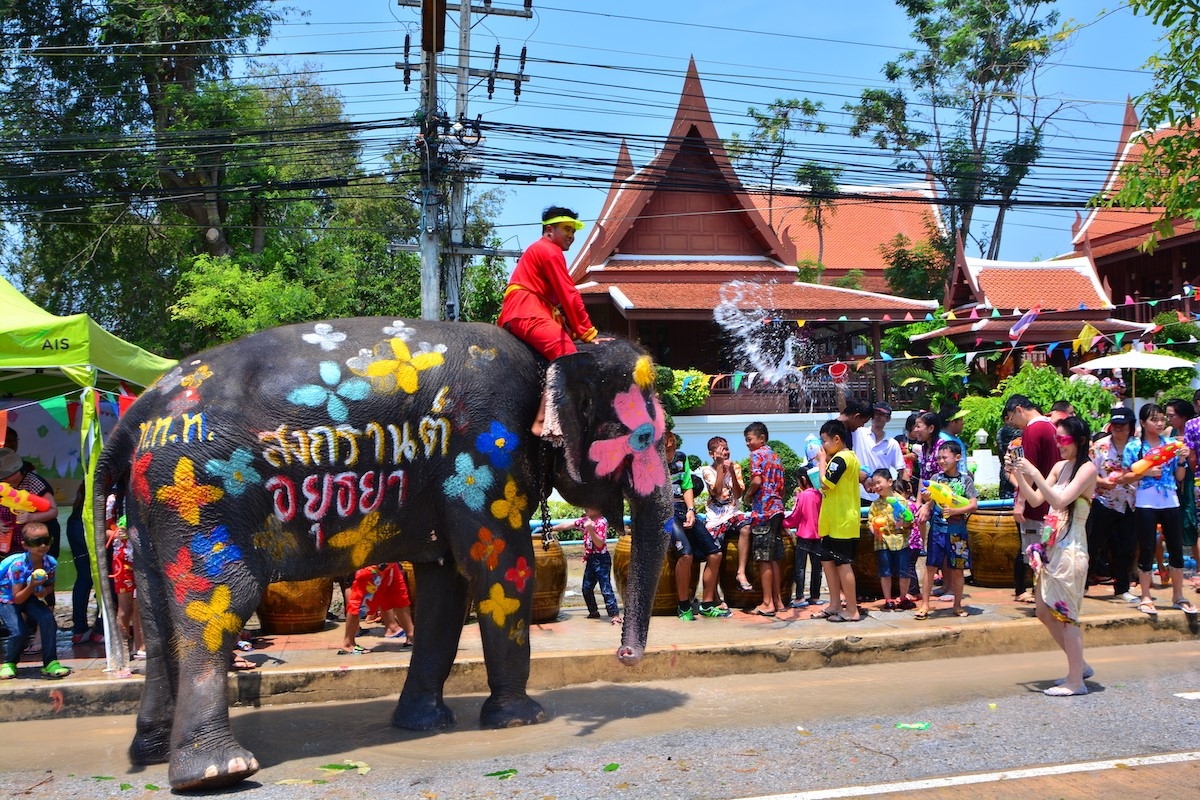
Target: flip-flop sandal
<point>962,612</point>
<point>920,613</point>
<point>824,614</point>
<point>759,612</point>
<point>1147,608</point>
<point>1184,606</point>
<point>358,650</point>
<point>745,587</point>
<point>840,618</point>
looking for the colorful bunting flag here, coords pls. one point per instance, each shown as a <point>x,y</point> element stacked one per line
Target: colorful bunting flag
<point>908,316</point>
<point>1084,339</point>
<point>1182,317</point>
<point>1128,300</point>
<point>974,314</point>
<point>1118,337</point>
<point>995,314</point>
<point>56,407</point>
<point>737,380</point>
<point>1050,347</point>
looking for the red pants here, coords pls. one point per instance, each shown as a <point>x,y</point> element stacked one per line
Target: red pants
<point>379,589</point>
<point>543,334</point>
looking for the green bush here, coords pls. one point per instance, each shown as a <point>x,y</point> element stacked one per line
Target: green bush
<point>694,393</point>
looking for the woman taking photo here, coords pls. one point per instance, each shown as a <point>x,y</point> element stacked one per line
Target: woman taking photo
<point>1060,562</point>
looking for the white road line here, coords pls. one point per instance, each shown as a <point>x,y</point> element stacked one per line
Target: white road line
<point>985,777</point>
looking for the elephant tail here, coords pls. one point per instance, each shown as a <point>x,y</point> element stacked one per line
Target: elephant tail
<point>111,471</point>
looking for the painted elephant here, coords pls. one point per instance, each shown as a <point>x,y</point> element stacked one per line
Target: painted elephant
<point>313,450</point>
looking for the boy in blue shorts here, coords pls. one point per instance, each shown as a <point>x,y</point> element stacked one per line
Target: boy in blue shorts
<point>26,580</point>
<point>947,548</point>
<point>689,538</point>
<point>764,528</point>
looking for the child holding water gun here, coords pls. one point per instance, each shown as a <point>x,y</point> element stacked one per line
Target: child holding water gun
<point>948,499</point>
<point>890,520</point>
<point>916,542</point>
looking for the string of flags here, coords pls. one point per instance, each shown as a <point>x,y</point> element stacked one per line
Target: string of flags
<point>64,409</point>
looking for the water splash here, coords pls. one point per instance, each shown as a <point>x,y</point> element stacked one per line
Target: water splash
<point>771,346</point>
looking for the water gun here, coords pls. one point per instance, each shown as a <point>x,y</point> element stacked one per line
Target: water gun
<point>812,446</point>
<point>941,494</point>
<point>21,499</point>
<point>1156,457</point>
<point>900,510</point>
<point>879,525</point>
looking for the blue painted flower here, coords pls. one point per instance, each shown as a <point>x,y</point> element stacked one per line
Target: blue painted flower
<point>316,396</point>
<point>469,482</point>
<point>214,550</point>
<point>497,443</point>
<point>237,473</point>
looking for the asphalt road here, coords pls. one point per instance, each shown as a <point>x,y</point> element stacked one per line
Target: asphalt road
<point>728,737</point>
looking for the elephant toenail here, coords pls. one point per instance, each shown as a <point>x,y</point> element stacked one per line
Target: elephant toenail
<point>212,771</point>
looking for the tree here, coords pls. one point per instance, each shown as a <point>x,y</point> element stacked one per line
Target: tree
<point>972,118</point>
<point>917,270</point>
<point>820,183</point>
<point>1164,179</point>
<point>765,149</point>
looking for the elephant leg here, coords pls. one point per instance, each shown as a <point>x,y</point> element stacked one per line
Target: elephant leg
<point>204,753</point>
<point>504,597</point>
<point>152,740</point>
<point>441,606</point>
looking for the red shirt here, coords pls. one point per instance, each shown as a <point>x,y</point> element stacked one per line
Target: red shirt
<point>542,273</point>
<point>1042,450</point>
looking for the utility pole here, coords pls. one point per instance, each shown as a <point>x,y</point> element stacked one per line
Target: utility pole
<point>467,133</point>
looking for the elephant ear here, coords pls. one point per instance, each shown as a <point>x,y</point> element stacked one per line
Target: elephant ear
<point>569,407</point>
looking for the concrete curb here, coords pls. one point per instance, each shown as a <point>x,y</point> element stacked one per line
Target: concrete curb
<point>868,644</point>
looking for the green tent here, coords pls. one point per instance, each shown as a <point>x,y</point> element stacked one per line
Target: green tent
<point>44,356</point>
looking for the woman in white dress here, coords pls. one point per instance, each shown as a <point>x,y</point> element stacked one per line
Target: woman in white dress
<point>1061,560</point>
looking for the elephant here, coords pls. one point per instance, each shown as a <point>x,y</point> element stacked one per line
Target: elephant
<point>313,450</point>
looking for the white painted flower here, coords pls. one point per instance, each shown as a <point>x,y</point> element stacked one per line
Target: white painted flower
<point>426,347</point>
<point>399,330</point>
<point>324,335</point>
<point>169,382</point>
<point>360,362</point>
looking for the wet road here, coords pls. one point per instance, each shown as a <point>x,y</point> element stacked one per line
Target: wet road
<point>727,737</point>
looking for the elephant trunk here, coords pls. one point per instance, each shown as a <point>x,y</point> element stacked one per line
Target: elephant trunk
<point>648,549</point>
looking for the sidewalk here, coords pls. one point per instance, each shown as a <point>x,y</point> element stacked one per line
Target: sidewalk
<point>576,650</point>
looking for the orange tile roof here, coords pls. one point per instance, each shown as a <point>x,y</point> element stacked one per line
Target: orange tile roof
<point>1059,284</point>
<point>1041,331</point>
<point>802,300</point>
<point>857,227</point>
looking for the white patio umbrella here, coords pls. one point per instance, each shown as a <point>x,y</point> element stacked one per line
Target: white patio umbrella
<point>1135,360</point>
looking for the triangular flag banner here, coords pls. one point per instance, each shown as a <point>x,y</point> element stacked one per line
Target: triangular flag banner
<point>737,380</point>
<point>124,401</point>
<point>978,341</point>
<point>887,317</point>
<point>995,313</point>
<point>1118,337</point>
<point>843,318</point>
<point>1152,303</point>
<point>57,408</point>
<point>687,380</point>
<point>1182,317</point>
<point>1096,339</point>
<point>799,323</point>
<point>950,315</point>
<point>885,356</point>
<point>908,354</point>
<point>862,362</point>
<point>1084,339</point>
<point>3,425</point>
<point>970,356</point>
<point>1128,300</point>
<point>1050,347</point>
<point>750,379</point>
<point>1170,340</point>
<point>713,381</point>
<point>974,314</point>
<point>928,317</point>
<point>908,316</point>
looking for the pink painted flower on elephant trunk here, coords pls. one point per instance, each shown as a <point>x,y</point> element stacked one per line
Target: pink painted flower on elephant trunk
<point>638,447</point>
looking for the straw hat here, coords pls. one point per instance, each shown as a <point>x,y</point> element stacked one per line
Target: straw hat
<point>10,462</point>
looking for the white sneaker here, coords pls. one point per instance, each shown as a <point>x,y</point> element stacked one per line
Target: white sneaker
<point>1130,598</point>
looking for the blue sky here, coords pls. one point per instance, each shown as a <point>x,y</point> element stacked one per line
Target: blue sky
<point>617,68</point>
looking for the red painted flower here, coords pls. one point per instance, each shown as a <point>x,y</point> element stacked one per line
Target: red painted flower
<point>519,574</point>
<point>137,478</point>
<point>184,579</point>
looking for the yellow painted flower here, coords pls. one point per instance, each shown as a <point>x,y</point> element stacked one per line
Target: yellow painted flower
<point>498,605</point>
<point>186,496</point>
<point>216,617</point>
<point>512,506</point>
<point>362,538</point>
<point>396,368</point>
<point>201,374</point>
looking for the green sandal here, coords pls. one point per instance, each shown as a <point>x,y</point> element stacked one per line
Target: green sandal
<point>8,672</point>
<point>55,670</point>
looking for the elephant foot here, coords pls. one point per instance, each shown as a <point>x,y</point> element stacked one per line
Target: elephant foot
<point>511,712</point>
<point>422,716</point>
<point>150,747</point>
<point>196,770</point>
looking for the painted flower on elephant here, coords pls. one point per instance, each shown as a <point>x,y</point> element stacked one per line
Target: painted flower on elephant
<point>185,495</point>
<point>396,368</point>
<point>183,579</point>
<point>324,335</point>
<point>237,473</point>
<point>498,605</point>
<point>197,377</point>
<point>498,444</point>
<point>315,396</point>
<point>469,482</point>
<point>399,329</point>
<point>640,445</point>
<point>214,551</point>
<point>488,548</point>
<point>519,574</point>
<point>363,537</point>
<point>137,478</point>
<point>512,506</point>
<point>216,617</point>
<point>518,633</point>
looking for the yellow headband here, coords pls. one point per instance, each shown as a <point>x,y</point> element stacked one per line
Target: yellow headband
<point>555,220</point>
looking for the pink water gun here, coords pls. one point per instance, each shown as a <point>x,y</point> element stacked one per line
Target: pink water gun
<point>1156,457</point>
<point>21,499</point>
